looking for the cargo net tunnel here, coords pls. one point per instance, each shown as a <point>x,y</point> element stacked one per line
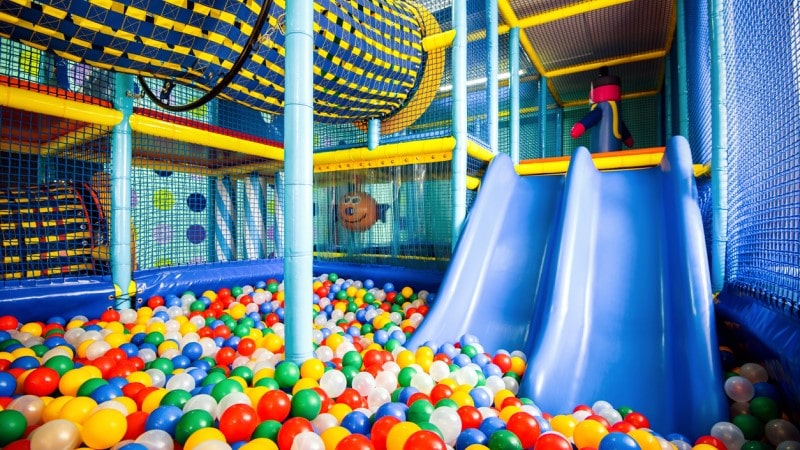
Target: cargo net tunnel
<point>370,58</point>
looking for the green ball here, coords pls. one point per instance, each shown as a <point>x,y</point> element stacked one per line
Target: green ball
<point>369,297</point>
<point>197,305</point>
<point>163,364</point>
<point>482,379</point>
<point>272,287</point>
<point>236,291</point>
<point>243,372</point>
<point>405,376</point>
<point>333,277</point>
<point>751,427</point>
<point>287,374</point>
<point>268,383</point>
<point>90,385</point>
<point>352,359</point>
<point>154,337</point>
<point>399,300</point>
<point>247,321</point>
<point>190,422</point>
<point>39,349</point>
<point>14,425</point>
<point>241,330</point>
<point>446,403</point>
<point>267,429</point>
<point>624,410</point>
<point>224,388</point>
<point>306,404</point>
<point>755,445</point>
<point>391,344</point>
<point>419,411</point>
<point>349,372</point>
<point>765,409</point>
<point>177,397</point>
<point>61,364</point>
<point>341,295</point>
<point>431,427</point>
<point>7,343</point>
<point>367,328</point>
<point>469,351</point>
<point>504,440</point>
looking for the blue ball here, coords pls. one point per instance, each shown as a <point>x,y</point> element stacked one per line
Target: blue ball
<point>54,341</point>
<point>181,362</point>
<point>356,422</point>
<point>399,336</point>
<point>192,350</point>
<point>482,359</point>
<point>25,362</point>
<point>394,409</point>
<point>618,441</point>
<point>130,349</point>
<point>388,287</point>
<point>281,313</point>
<point>353,331</point>
<point>765,389</point>
<point>492,369</point>
<point>137,339</point>
<point>164,418</point>
<point>492,424</point>
<point>470,436</point>
<point>118,382</point>
<point>461,360</point>
<point>381,337</point>
<point>105,393</point>
<point>449,350</point>
<point>219,341</point>
<point>481,397</point>
<point>265,308</point>
<point>369,284</point>
<point>8,384</point>
<point>198,374</point>
<point>468,339</point>
<point>58,320</point>
<point>406,394</point>
<point>133,446</point>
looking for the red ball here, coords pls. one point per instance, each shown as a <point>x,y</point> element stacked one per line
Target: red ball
<point>136,424</point>
<point>417,396</point>
<point>502,361</point>
<point>246,347</point>
<point>510,401</point>
<point>424,440</point>
<point>290,430</point>
<point>327,402</point>
<point>526,427</point>
<point>22,444</point>
<point>552,441</point>
<point>439,392</point>
<point>638,420</point>
<point>155,301</point>
<point>8,323</point>
<point>274,405</point>
<point>109,315</point>
<point>622,427</point>
<point>351,398</point>
<point>599,418</point>
<point>583,408</point>
<point>222,331</point>
<point>712,441</point>
<point>380,431</point>
<point>470,417</point>
<point>238,422</point>
<point>225,356</point>
<point>42,381</point>
<point>117,354</point>
<point>105,364</point>
<point>355,442</point>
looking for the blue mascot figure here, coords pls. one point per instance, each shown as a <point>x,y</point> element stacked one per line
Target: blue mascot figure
<point>605,117</point>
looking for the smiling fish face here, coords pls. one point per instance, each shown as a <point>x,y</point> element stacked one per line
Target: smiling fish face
<point>358,211</point>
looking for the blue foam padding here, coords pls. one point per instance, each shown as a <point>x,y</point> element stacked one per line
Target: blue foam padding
<point>769,335</point>
<point>602,279</point>
<point>41,300</point>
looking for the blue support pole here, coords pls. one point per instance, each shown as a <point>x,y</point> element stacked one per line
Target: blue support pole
<point>492,58</point>
<point>719,143</point>
<point>121,158</point>
<point>667,99</point>
<point>559,145</point>
<point>280,215</point>
<point>299,168</point>
<point>373,134</point>
<point>543,115</point>
<point>459,162</point>
<point>682,83</point>
<point>513,85</point>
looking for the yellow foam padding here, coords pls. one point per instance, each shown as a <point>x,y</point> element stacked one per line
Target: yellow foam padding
<point>623,159</point>
<point>473,183</point>
<point>183,133</point>
<point>41,103</point>
<point>567,11</point>
<point>479,152</point>
<point>439,40</point>
<point>429,150</point>
<point>428,86</point>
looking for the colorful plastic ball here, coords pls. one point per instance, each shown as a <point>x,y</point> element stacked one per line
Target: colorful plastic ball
<point>469,437</point>
<point>238,422</point>
<point>712,441</point>
<point>31,407</point>
<point>164,418</point>
<point>637,419</point>
<point>58,434</point>
<point>399,434</point>
<point>564,424</point>
<point>381,429</point>
<point>290,429</point>
<point>618,441</point>
<point>356,422</point>
<point>307,404</point>
<point>274,405</point>
<point>104,429</point>
<point>333,435</point>
<point>504,440</point>
<point>780,430</point>
<point>355,442</point>
<point>526,427</point>
<point>553,441</point>
<point>259,444</point>
<point>424,440</point>
<point>448,422</point>
<point>8,384</point>
<point>763,408</point>
<point>588,434</point>
<point>203,435</point>
<point>739,389</point>
<point>14,425</point>
<point>42,381</point>
<point>190,422</point>
<point>287,374</point>
<point>645,439</point>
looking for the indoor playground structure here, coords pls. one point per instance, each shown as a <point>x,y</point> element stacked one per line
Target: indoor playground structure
<point>399,225</point>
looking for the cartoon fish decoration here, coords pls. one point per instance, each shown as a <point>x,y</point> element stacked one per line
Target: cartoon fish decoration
<point>358,211</point>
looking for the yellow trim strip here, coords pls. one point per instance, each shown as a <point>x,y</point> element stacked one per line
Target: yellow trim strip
<point>438,40</point>
<point>624,97</point>
<point>607,62</point>
<point>569,11</point>
<point>425,151</point>
<point>183,133</point>
<point>479,152</point>
<point>41,103</point>
<point>473,183</point>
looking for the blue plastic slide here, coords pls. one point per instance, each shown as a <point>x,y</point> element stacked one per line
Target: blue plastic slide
<point>602,278</point>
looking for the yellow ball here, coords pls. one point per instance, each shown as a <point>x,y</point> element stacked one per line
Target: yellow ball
<point>462,398</point>
<point>273,342</point>
<point>333,435</point>
<point>303,384</point>
<point>117,339</point>
<point>407,292</point>
<point>72,380</point>
<point>351,291</point>
<point>187,328</point>
<point>209,294</point>
<point>157,327</point>
<point>509,411</point>
<point>279,296</point>
<point>399,434</point>
<point>74,324</point>
<point>81,350</point>
<point>647,441</point>
<point>263,373</point>
<point>339,410</point>
<point>32,328</point>
<point>477,447</point>
<point>140,377</point>
<point>167,345</point>
<point>203,435</point>
<point>239,380</point>
<point>128,403</point>
<point>564,424</point>
<point>312,368</point>
<point>237,311</point>
<point>53,409</point>
<point>260,444</point>
<point>93,371</point>
<point>104,429</point>
<point>255,393</point>
<point>334,340</point>
<point>153,400</point>
<point>588,434</point>
<point>501,395</point>
<point>517,365</point>
<point>405,358</point>
<point>77,409</point>
<point>115,327</point>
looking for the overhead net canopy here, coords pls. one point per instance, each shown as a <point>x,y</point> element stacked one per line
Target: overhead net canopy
<point>368,55</point>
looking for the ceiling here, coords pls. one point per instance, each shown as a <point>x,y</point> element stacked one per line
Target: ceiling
<point>567,41</point>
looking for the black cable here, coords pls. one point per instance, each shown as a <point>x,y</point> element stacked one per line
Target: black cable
<point>226,80</point>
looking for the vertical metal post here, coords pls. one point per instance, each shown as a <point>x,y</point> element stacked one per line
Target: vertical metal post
<point>121,158</point>
<point>373,133</point>
<point>543,115</point>
<point>513,46</point>
<point>299,146</point>
<point>459,162</point>
<point>492,60</point>
<point>682,82</point>
<point>719,143</point>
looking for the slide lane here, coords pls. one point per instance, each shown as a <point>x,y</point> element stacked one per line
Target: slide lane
<point>610,293</point>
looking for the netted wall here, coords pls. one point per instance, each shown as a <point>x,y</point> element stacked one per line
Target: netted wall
<point>763,107</point>
<point>698,83</point>
<point>393,216</point>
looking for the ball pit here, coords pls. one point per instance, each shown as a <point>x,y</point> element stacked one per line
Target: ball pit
<point>206,372</point>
